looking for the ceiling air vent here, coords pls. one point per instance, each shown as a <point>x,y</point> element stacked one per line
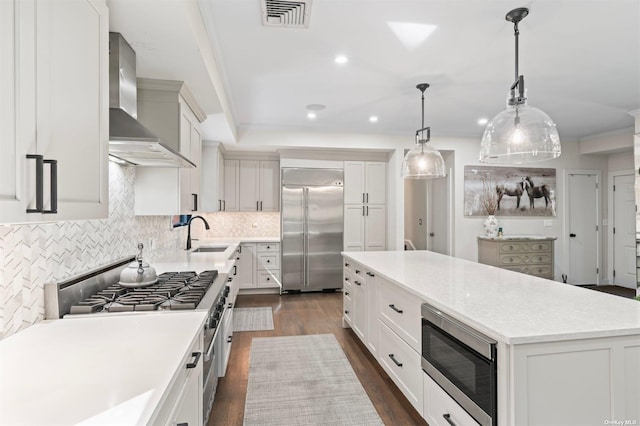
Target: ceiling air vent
<point>288,14</point>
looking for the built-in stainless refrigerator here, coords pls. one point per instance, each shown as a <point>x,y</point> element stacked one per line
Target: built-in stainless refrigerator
<point>311,228</point>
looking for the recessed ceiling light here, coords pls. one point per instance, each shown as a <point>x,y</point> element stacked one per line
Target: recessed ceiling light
<point>311,115</point>
<point>373,119</point>
<point>341,59</point>
<point>315,107</point>
<point>483,121</point>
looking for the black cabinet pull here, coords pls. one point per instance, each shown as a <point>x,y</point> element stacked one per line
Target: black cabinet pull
<point>358,282</point>
<point>268,261</point>
<point>347,279</point>
<point>268,247</point>
<point>357,271</point>
<point>572,235</point>
<point>367,211</point>
<point>370,274</point>
<point>367,202</point>
<point>346,312</point>
<point>53,164</point>
<point>346,293</point>
<point>447,417</point>
<point>229,279</point>
<point>219,205</point>
<point>196,358</point>
<point>362,210</point>
<point>257,205</point>
<point>182,424</point>
<point>392,306</point>
<point>363,197</point>
<point>260,205</point>
<point>229,339</point>
<point>224,205</point>
<point>39,183</point>
<point>346,264</point>
<point>235,269</point>
<point>195,202</point>
<point>268,279</point>
<point>395,361</point>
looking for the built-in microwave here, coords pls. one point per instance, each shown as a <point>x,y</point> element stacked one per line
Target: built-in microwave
<point>462,361</point>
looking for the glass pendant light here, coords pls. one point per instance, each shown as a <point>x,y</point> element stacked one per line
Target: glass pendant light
<point>423,161</point>
<point>520,133</point>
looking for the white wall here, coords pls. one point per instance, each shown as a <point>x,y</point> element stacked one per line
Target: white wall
<point>465,152</point>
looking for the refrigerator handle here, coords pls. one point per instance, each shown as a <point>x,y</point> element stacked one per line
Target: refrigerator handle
<point>305,202</point>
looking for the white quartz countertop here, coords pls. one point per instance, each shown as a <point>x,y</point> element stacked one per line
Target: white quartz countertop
<point>508,306</point>
<point>188,260</point>
<point>98,370</point>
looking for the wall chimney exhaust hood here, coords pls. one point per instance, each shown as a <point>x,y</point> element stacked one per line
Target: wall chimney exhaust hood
<point>129,140</point>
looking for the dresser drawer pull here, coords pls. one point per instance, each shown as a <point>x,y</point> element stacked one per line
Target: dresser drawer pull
<point>395,361</point>
<point>268,261</point>
<point>392,306</point>
<point>370,274</point>
<point>540,247</point>
<point>358,282</point>
<point>447,417</point>
<point>510,247</point>
<point>511,259</point>
<point>268,247</point>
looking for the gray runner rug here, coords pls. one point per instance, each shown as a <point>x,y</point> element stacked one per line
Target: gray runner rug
<point>304,380</point>
<point>252,319</point>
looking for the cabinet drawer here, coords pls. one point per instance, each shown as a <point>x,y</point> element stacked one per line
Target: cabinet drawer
<point>269,278</point>
<point>400,310</point>
<point>438,406</point>
<point>511,247</point>
<point>544,271</point>
<point>268,247</point>
<point>347,289</point>
<point>542,247</point>
<point>268,261</point>
<point>348,265</point>
<point>348,278</point>
<point>348,310</point>
<point>402,364</point>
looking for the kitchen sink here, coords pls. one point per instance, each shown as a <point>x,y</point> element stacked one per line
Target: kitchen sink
<point>210,249</point>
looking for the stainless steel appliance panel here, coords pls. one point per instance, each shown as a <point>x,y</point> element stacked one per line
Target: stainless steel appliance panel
<point>324,237</point>
<point>312,228</point>
<point>293,238</point>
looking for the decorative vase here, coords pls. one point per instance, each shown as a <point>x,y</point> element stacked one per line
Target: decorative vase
<point>491,226</point>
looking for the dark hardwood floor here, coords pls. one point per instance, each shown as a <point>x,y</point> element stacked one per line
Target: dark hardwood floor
<point>302,314</point>
<point>612,289</point>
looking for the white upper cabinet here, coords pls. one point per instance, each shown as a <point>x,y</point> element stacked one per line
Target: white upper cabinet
<point>257,186</point>
<point>212,178</point>
<point>168,109</point>
<point>231,202</point>
<point>54,108</point>
<point>365,182</point>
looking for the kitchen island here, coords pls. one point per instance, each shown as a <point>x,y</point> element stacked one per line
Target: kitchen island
<point>565,355</point>
<point>124,370</point>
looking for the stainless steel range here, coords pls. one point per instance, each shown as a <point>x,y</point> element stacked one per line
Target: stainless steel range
<point>98,292</point>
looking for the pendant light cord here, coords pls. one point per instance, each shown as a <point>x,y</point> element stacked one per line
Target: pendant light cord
<point>516,32</point>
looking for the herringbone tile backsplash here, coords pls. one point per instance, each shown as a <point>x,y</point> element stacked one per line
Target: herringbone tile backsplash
<point>31,255</point>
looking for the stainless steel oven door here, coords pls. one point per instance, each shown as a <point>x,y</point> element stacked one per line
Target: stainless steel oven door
<point>462,361</point>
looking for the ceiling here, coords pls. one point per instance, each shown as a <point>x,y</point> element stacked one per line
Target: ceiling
<point>580,59</point>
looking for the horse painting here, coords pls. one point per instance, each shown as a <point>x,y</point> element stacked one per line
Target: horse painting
<point>537,192</point>
<point>512,191</point>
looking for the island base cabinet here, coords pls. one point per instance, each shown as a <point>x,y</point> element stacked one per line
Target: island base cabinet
<point>402,364</point>
<point>440,409</point>
<point>550,380</point>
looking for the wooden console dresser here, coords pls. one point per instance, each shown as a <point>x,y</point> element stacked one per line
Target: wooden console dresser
<point>527,254</point>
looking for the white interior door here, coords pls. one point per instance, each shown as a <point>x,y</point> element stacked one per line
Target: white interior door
<point>583,229</point>
<point>415,212</point>
<point>624,231</point>
<point>438,214</point>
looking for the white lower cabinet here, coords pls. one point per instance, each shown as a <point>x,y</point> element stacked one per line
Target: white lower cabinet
<point>183,404</point>
<point>440,409</point>
<point>402,364</point>
<point>224,339</point>
<point>259,265</point>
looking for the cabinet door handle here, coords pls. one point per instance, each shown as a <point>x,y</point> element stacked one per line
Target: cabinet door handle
<point>447,417</point>
<point>196,358</point>
<point>346,312</point>
<point>39,183</point>
<point>346,293</point>
<point>268,279</point>
<point>268,261</point>
<point>367,197</point>
<point>363,197</point>
<point>229,279</point>
<point>229,339</point>
<point>367,210</point>
<point>235,269</point>
<point>257,205</point>
<point>346,264</point>
<point>268,247</point>
<point>346,279</point>
<point>224,205</point>
<point>195,202</point>
<point>395,361</point>
<point>358,282</point>
<point>362,210</point>
<point>53,164</point>
<point>392,306</point>
<point>370,274</point>
<point>260,205</point>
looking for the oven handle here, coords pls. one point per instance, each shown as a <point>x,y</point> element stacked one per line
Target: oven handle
<point>470,337</point>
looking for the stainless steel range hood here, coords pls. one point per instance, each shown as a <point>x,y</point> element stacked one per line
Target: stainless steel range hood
<point>129,140</point>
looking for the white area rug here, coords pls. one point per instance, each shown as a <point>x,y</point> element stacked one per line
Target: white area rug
<point>252,319</point>
<point>304,380</point>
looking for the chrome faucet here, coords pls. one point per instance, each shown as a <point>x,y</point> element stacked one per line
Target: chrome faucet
<point>206,225</point>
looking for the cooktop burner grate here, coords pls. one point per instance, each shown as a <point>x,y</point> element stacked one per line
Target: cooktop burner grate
<point>173,291</point>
